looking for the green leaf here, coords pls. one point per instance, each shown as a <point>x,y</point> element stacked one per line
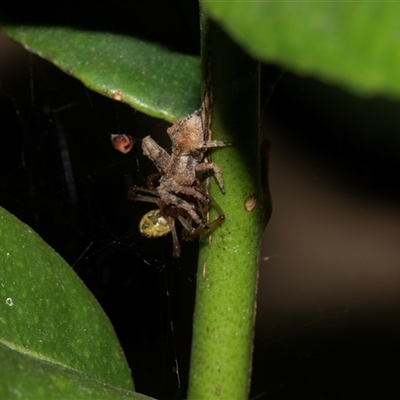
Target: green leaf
<point>352,44</point>
<point>48,314</point>
<point>29,377</point>
<point>146,76</point>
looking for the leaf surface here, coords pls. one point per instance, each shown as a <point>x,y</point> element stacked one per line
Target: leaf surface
<point>148,77</point>
<point>48,315</point>
<point>351,44</point>
<point>32,378</point>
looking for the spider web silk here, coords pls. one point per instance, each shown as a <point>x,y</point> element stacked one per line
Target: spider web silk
<point>61,175</point>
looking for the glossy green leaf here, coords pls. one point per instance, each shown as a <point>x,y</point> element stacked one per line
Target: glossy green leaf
<point>145,75</point>
<point>352,44</point>
<point>29,377</point>
<point>48,314</point>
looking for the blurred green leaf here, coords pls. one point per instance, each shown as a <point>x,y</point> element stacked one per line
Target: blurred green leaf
<point>48,314</point>
<point>351,44</point>
<point>146,76</point>
<point>32,378</point>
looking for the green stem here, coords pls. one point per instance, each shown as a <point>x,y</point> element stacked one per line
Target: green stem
<point>227,273</point>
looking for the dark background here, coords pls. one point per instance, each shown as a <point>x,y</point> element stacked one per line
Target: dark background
<point>327,322</point>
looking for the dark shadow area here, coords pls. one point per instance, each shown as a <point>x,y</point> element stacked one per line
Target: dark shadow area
<point>357,139</point>
<point>328,304</point>
<point>175,24</point>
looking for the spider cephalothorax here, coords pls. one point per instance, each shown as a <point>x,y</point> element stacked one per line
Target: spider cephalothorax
<point>178,191</point>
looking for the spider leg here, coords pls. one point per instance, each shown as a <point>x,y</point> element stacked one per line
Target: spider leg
<point>156,153</point>
<point>150,197</point>
<point>170,191</point>
<point>216,143</point>
<point>217,221</point>
<point>150,181</point>
<point>191,232</point>
<point>185,223</point>
<point>176,248</point>
<point>221,214</point>
<point>170,198</point>
<point>217,173</point>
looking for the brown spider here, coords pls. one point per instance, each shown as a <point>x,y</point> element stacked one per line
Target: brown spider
<point>161,221</point>
<point>178,193</point>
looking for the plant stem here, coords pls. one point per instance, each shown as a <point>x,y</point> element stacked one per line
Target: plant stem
<point>227,273</point>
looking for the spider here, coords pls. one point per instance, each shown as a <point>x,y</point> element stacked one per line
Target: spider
<point>161,221</point>
<point>178,192</point>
